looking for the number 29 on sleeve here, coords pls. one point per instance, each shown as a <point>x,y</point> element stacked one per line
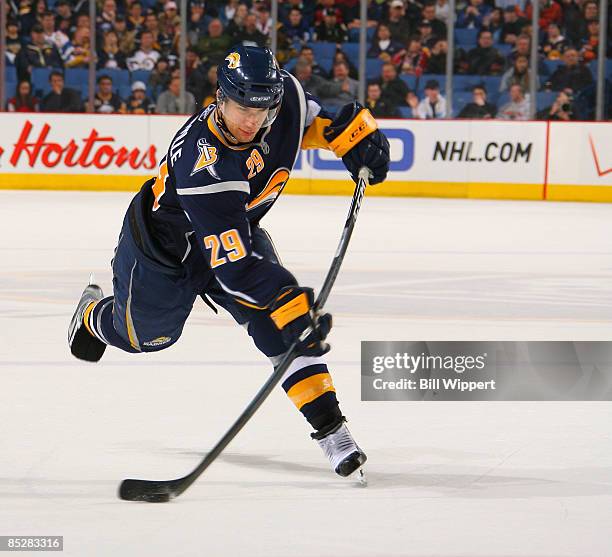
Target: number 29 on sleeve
<point>232,245</point>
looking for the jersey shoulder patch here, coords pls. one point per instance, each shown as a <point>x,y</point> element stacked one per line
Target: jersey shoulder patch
<point>204,165</point>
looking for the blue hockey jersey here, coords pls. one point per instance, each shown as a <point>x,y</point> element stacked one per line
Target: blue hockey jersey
<point>209,195</point>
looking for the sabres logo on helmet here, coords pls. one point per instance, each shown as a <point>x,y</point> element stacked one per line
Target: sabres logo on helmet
<point>233,60</point>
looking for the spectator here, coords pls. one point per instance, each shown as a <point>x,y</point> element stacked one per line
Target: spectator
<point>160,77</point>
<point>433,105</point>
<point>236,24</point>
<point>383,46</point>
<point>306,7</point>
<point>561,110</point>
<point>296,29</point>
<point>126,39</point>
<point>426,33</point>
<point>162,41</point>
<point>110,57</point>
<point>209,90</point>
<point>494,23</point>
<point>226,14</point>
<point>413,60</point>
<point>394,90</point>
<point>523,48</point>
<point>169,20</point>
<point>23,101</point>
<point>264,19</point>
<point>80,52</point>
<point>484,59</point>
<point>348,87</point>
<point>436,63</point>
<point>57,38</point>
<point>377,105</point>
<point>373,17</point>
<point>576,23</point>
<point>479,108</point>
<point>517,108</point>
<point>135,20</point>
<point>519,74</point>
<point>250,35</point>
<point>139,103</point>
<point>590,44</point>
<point>106,20</point>
<point>442,10</point>
<point>512,26</point>
<point>397,23</point>
<point>13,42</point>
<point>340,56</point>
<point>555,43</point>
<point>571,16</point>
<point>315,84</point>
<point>145,57</point>
<point>105,100</point>
<point>197,22</point>
<point>65,20</point>
<point>307,54</point>
<point>29,17</point>
<point>214,45</point>
<point>550,12</point>
<point>60,99</point>
<point>572,75</point>
<point>37,54</point>
<point>473,14</point>
<point>169,101</point>
<point>324,6</point>
<point>330,29</point>
<point>438,28</point>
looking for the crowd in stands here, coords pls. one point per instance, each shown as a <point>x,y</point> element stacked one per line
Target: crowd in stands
<point>48,53</point>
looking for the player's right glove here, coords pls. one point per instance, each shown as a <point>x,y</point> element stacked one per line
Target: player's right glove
<point>354,136</point>
<point>293,314</point>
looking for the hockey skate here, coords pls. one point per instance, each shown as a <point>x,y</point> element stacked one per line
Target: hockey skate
<point>82,343</point>
<point>340,448</point>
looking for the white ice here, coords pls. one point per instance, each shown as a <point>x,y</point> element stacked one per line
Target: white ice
<point>445,479</point>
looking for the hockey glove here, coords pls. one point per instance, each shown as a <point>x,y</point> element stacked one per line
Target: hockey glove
<point>293,314</point>
<point>354,136</point>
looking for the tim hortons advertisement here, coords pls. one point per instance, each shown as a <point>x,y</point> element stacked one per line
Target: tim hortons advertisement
<point>432,158</point>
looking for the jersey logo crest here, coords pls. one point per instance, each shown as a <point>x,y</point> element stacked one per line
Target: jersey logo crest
<point>208,157</point>
<point>233,59</point>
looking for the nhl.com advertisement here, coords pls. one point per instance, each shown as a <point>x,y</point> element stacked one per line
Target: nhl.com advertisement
<point>241,350</point>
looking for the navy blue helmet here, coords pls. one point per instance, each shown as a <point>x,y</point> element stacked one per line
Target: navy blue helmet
<point>250,75</point>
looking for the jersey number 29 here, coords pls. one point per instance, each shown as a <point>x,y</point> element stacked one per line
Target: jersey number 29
<point>232,244</point>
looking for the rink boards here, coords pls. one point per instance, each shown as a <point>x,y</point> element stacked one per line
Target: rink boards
<point>457,158</point>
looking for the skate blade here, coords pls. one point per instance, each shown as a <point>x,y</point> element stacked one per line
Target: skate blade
<point>362,479</point>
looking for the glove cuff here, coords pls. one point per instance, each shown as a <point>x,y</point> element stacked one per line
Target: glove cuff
<point>352,124</point>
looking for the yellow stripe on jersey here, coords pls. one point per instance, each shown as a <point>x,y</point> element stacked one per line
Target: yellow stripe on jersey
<point>313,138</point>
<point>361,126</point>
<point>309,389</point>
<point>249,305</point>
<point>293,309</point>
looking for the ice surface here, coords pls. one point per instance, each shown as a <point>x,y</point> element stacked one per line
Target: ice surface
<point>445,479</point>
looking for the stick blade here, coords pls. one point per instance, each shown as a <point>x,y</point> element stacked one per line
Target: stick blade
<point>149,491</point>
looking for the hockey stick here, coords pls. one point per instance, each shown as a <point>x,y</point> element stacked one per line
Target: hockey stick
<point>161,491</point>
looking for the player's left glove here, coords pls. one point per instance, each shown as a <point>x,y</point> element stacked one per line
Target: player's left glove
<point>293,314</point>
<point>354,136</point>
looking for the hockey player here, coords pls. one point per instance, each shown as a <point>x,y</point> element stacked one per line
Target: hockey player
<point>194,231</point>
